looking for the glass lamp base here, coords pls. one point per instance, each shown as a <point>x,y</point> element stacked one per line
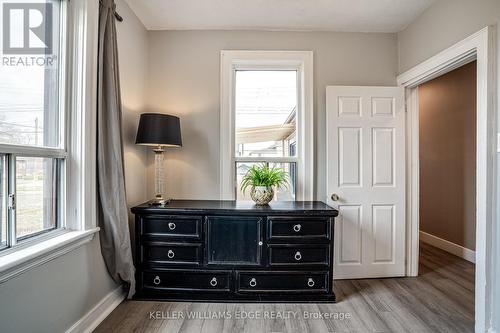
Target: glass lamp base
<point>159,202</point>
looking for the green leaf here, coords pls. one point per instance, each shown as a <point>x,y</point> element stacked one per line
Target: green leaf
<point>262,175</point>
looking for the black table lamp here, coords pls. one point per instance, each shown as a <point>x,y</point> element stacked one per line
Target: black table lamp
<point>159,131</point>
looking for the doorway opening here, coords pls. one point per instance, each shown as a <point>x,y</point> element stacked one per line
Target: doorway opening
<point>447,160</point>
<point>447,180</point>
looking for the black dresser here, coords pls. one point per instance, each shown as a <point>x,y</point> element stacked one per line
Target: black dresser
<point>235,251</point>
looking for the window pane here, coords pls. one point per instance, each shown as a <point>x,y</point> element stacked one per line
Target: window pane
<point>35,190</point>
<point>3,201</point>
<point>281,194</point>
<point>29,93</point>
<point>265,104</point>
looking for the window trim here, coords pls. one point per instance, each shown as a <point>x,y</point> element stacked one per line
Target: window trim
<point>38,254</point>
<point>80,90</point>
<point>302,61</point>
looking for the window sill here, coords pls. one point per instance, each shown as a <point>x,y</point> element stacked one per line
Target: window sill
<point>20,261</point>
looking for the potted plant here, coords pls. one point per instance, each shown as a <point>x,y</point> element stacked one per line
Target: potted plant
<point>262,179</point>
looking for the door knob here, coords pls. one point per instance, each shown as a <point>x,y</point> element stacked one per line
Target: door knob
<point>335,197</point>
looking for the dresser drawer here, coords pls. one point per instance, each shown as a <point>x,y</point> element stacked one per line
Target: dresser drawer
<point>156,226</point>
<point>298,229</point>
<point>280,282</point>
<point>181,280</point>
<point>299,255</point>
<point>171,253</point>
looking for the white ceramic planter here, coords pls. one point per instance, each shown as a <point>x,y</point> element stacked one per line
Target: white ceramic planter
<point>262,195</point>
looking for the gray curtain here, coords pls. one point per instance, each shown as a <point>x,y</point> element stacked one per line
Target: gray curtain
<point>112,206</point>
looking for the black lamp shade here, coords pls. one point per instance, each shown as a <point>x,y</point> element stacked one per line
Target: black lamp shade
<point>157,129</point>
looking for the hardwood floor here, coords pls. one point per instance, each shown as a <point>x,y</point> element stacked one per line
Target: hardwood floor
<point>440,299</point>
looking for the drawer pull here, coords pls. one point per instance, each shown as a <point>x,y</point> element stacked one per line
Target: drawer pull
<point>170,254</point>
<point>213,282</point>
<point>310,282</point>
<point>157,280</point>
<point>298,256</point>
<point>297,227</point>
<point>171,225</point>
<point>253,282</point>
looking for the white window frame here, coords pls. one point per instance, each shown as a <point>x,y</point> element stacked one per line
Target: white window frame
<point>79,93</point>
<point>302,62</point>
<point>55,153</point>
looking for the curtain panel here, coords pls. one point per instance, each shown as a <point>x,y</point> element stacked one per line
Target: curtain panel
<point>112,206</point>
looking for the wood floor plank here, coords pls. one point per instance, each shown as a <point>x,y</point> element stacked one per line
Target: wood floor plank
<point>362,310</point>
<point>313,324</point>
<point>342,308</point>
<point>174,325</point>
<point>440,299</point>
<point>233,325</point>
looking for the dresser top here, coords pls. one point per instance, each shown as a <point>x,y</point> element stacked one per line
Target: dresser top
<point>227,206</point>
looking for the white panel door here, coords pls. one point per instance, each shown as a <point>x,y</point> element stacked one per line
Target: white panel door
<point>366,179</point>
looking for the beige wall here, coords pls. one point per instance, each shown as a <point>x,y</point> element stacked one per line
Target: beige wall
<point>133,56</point>
<point>184,80</point>
<point>448,156</point>
<point>132,52</point>
<point>443,24</point>
<point>52,297</point>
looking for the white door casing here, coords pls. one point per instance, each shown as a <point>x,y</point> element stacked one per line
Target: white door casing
<point>366,169</point>
<point>482,47</point>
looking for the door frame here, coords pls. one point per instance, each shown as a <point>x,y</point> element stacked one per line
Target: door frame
<point>481,47</point>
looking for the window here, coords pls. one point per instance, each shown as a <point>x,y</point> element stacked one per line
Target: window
<point>265,122</point>
<point>47,132</point>
<point>266,118</point>
<point>33,149</point>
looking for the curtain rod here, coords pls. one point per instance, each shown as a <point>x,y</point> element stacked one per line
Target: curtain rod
<point>118,17</point>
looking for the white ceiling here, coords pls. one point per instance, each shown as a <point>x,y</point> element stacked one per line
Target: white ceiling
<point>306,15</point>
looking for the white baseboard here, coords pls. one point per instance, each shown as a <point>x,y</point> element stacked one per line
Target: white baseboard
<point>448,246</point>
<point>99,312</point>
